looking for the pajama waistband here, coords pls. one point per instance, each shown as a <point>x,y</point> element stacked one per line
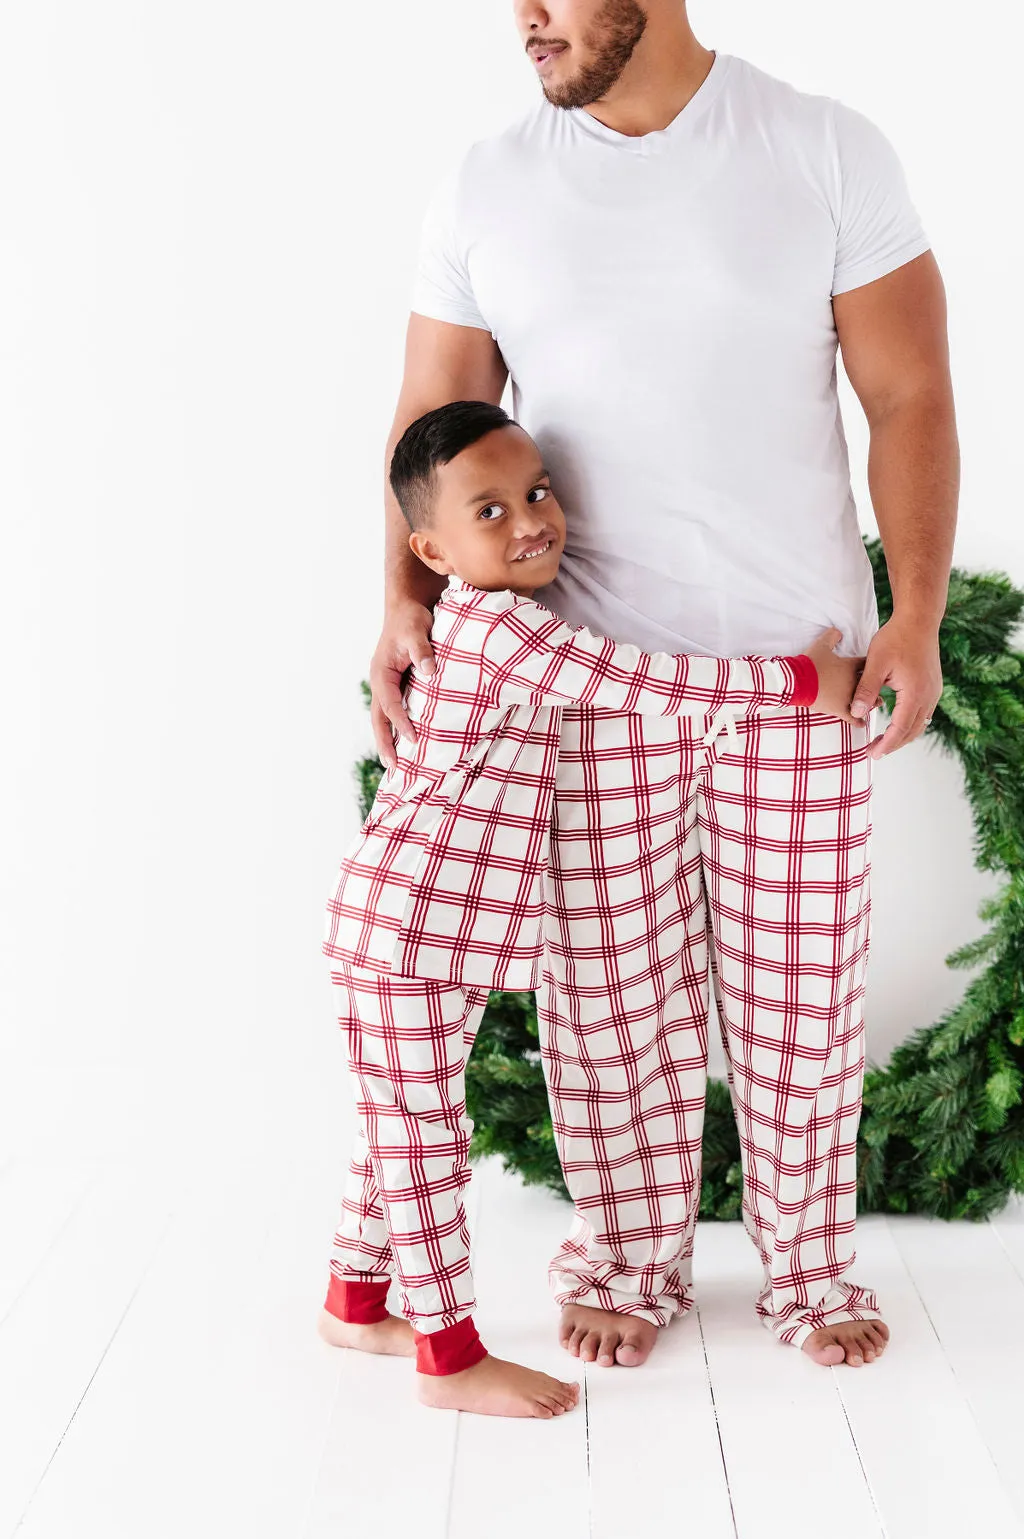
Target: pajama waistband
<point>726,716</point>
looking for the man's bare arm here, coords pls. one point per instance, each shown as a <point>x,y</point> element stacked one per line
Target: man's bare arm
<point>895,350</point>
<point>442,363</point>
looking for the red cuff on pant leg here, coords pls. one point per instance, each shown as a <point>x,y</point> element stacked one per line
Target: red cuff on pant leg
<point>807,683</point>
<point>358,1303</point>
<point>449,1351</point>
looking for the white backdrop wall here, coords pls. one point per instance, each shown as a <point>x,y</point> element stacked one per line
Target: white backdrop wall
<point>209,215</point>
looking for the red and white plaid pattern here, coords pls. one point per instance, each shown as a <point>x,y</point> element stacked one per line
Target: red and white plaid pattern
<point>445,879</point>
<point>402,1211</point>
<point>667,854</point>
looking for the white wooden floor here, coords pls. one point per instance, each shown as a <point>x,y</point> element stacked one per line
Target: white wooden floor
<point>160,1375</point>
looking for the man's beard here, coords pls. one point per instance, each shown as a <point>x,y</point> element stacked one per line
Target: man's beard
<point>614,33</point>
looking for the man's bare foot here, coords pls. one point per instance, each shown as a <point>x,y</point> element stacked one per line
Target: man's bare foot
<point>496,1388</point>
<point>853,1341</point>
<point>390,1338</point>
<point>605,1337</point>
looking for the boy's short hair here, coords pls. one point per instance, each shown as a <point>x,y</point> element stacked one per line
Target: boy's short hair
<point>432,440</point>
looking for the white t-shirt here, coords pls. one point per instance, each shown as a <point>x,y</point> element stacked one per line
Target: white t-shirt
<point>663,305</point>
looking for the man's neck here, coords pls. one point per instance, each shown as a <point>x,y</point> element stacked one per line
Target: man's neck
<point>667,69</point>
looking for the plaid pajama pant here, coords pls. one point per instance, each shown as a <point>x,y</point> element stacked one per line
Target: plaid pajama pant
<point>667,857</point>
<point>402,1209</point>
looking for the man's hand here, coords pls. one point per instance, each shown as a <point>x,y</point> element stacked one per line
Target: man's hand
<point>904,654</point>
<point>404,640</point>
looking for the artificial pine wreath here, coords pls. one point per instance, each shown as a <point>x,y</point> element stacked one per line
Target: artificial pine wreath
<point>942,1129</point>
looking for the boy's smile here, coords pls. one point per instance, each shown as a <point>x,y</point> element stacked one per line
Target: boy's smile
<point>538,548</point>
<point>495,520</point>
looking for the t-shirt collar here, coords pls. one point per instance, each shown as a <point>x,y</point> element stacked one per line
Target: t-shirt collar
<point>659,138</point>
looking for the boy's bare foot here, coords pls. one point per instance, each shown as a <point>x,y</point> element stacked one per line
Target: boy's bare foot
<point>496,1388</point>
<point>390,1338</point>
<point>853,1341</point>
<point>606,1337</point>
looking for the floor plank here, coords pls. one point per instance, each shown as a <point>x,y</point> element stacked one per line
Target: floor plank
<point>925,1459</point>
<point>1008,1227</point>
<point>516,1231</point>
<point>792,1466</point>
<point>273,1391</point>
<point>63,1326</point>
<point>974,1297</point>
<point>37,1200</point>
<point>216,1392</point>
<point>160,1373</point>
<point>386,1461</point>
<point>655,1453</point>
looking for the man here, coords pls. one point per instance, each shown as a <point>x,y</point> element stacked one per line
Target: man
<point>664,254</point>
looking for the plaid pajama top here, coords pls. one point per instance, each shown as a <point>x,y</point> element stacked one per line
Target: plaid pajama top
<point>445,878</point>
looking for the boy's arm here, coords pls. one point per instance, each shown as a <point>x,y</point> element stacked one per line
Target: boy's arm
<point>532,657</point>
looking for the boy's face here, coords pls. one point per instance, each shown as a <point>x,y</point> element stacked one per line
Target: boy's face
<point>496,523</point>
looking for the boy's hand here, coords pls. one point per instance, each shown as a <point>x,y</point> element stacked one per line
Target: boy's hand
<point>837,677</point>
<point>404,640</point>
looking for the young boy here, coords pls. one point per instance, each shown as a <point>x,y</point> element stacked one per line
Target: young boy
<point>440,898</point>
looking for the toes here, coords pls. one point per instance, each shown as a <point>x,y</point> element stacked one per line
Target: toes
<point>873,1342</point>
<point>863,1342</point>
<point>558,1395</point>
<point>589,1349</point>
<point>825,1349</point>
<point>861,1345</point>
<point>573,1344</point>
<point>854,1342</point>
<point>634,1348</point>
<point>606,1350</point>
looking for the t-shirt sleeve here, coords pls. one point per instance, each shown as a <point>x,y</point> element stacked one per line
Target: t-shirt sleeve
<point>441,287</point>
<point>879,228</point>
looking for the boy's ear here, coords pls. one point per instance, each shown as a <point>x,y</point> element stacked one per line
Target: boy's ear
<point>429,552</point>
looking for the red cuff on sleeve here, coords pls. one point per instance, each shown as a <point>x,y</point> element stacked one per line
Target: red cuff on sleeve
<point>358,1303</point>
<point>806,679</point>
<point>449,1351</point>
